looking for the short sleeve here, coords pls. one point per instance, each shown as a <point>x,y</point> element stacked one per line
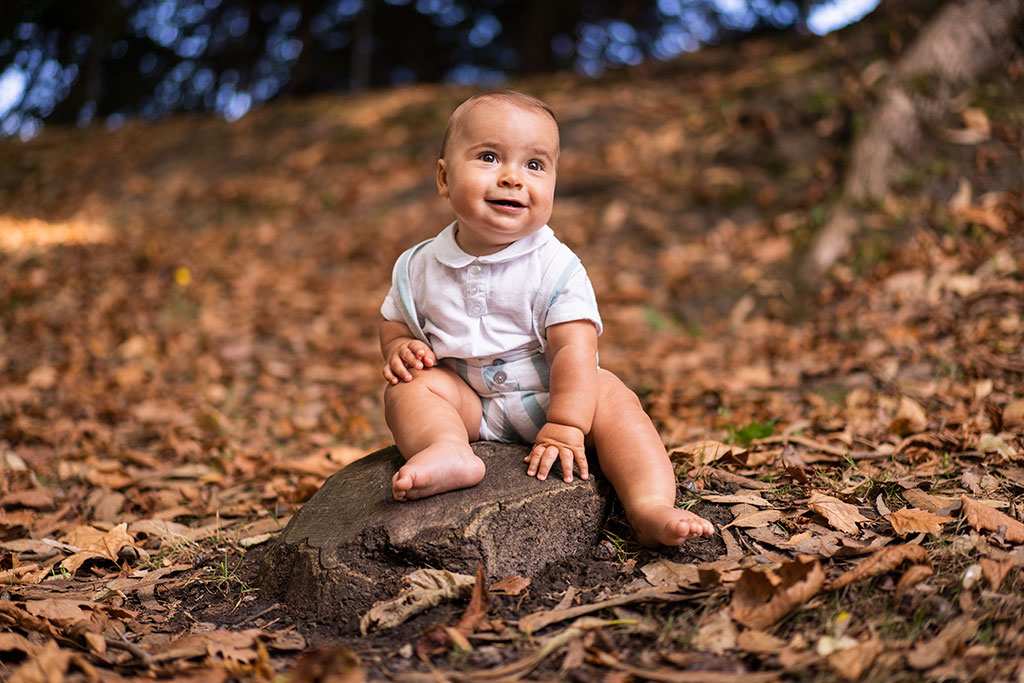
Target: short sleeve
<point>575,301</point>
<point>391,309</point>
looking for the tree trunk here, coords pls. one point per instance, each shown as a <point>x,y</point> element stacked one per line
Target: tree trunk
<point>964,41</point>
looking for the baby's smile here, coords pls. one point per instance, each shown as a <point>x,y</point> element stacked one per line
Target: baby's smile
<point>510,203</point>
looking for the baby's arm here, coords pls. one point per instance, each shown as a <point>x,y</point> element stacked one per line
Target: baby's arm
<point>573,353</point>
<point>402,351</point>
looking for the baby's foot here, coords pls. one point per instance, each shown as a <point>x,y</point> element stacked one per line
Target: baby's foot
<point>436,469</point>
<point>661,524</point>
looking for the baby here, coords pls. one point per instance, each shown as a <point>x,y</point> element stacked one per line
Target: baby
<point>490,332</point>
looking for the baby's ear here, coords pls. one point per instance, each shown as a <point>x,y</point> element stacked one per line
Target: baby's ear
<point>442,178</point>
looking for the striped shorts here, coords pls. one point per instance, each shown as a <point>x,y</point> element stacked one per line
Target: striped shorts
<point>513,395</point>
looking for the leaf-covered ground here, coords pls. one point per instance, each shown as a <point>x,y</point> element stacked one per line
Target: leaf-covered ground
<point>188,314</point>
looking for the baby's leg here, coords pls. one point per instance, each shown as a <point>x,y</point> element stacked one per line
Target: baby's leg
<point>633,458</point>
<point>433,418</point>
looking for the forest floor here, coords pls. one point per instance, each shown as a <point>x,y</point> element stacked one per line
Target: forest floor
<point>188,348</point>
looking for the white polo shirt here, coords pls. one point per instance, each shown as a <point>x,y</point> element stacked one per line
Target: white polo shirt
<point>489,307</point>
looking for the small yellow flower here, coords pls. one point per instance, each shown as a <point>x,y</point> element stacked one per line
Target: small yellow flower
<point>183,276</point>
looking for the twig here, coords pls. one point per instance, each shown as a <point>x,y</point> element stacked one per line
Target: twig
<point>131,648</point>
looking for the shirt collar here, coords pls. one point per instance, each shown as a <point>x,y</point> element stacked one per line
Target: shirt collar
<point>448,252</point>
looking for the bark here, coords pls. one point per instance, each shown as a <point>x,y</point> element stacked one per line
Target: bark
<point>964,41</point>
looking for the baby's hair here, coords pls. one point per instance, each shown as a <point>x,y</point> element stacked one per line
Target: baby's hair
<point>513,97</point>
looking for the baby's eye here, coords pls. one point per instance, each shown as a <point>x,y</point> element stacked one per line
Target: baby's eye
<point>535,165</point>
<point>488,157</point>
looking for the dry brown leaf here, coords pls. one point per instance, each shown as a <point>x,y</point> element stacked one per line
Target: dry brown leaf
<point>910,418</point>
<point>423,589</point>
<point>882,561</point>
<point>39,499</point>
<point>328,664</point>
<point>925,501</point>
<point>511,585</point>
<point>913,521</point>
<point>443,637</point>
<point>840,515</point>
<point>982,517</point>
<point>15,642</point>
<point>60,611</point>
<point>736,498</point>
<point>913,576</point>
<point>852,662</point>
<point>948,643</point>
<point>762,597</point>
<point>670,575</point>
<point>96,545</point>
<point>995,571</point>
<point>759,642</point>
<point>234,646</point>
<point>538,620</point>
<point>52,664</point>
<point>706,451</point>
<point>717,634</point>
<point>756,519</point>
<point>1013,414</point>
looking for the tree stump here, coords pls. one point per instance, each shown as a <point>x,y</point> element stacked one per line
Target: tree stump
<point>351,541</point>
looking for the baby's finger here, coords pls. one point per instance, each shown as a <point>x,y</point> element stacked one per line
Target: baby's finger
<point>566,456</point>
<point>550,455</point>
<point>400,370</point>
<point>410,358</point>
<point>581,461</point>
<point>424,353</point>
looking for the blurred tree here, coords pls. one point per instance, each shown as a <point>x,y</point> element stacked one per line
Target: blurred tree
<point>75,60</point>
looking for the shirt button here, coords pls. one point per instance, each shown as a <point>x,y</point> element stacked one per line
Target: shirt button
<point>473,289</point>
<point>476,309</point>
<point>500,377</point>
<point>476,270</point>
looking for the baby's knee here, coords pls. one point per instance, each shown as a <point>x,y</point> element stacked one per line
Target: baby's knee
<point>613,391</point>
<point>438,380</point>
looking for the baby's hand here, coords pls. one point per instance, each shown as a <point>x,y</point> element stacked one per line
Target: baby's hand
<point>407,354</point>
<point>558,442</point>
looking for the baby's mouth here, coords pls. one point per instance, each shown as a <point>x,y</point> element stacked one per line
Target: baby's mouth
<point>510,203</point>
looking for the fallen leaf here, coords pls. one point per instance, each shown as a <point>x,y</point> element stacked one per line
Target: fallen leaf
<point>39,499</point>
<point>1013,414</point>
<point>706,451</point>
<point>671,575</point>
<point>925,501</point>
<point>884,560</point>
<point>762,597</point>
<point>511,585</point>
<point>840,515</point>
<point>235,646</point>
<point>949,643</point>
<point>995,571</point>
<point>983,517</point>
<point>852,662</point>
<point>328,664</point>
<point>538,620</point>
<point>736,498</point>
<point>759,643</point>
<point>51,664</point>
<point>910,418</point>
<point>914,575</point>
<point>424,588</point>
<point>445,637</point>
<point>913,521</point>
<point>756,519</point>
<point>97,545</point>
<point>717,634</point>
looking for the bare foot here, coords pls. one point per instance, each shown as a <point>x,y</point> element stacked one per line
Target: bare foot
<point>660,524</point>
<point>438,468</point>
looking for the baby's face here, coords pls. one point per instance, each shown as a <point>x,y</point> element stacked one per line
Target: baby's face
<point>499,173</point>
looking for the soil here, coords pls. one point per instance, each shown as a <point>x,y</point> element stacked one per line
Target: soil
<point>612,568</point>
